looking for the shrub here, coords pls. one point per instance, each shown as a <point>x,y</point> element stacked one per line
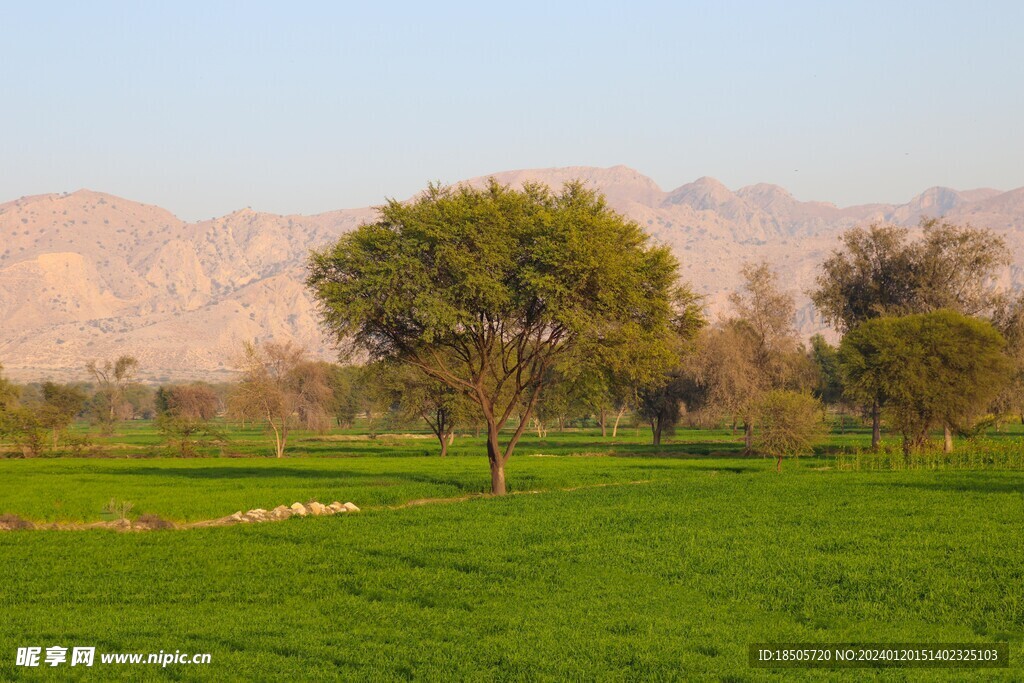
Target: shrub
<point>791,424</point>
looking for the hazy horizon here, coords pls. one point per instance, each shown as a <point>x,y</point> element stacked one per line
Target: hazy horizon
<point>208,108</point>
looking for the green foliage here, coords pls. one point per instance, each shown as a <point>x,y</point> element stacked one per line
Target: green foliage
<point>828,386</point>
<point>61,404</point>
<point>880,272</point>
<point>790,425</point>
<point>489,290</point>
<point>419,397</point>
<point>927,370</point>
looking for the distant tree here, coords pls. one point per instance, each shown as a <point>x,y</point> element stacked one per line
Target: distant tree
<point>661,405</point>
<point>8,402</point>
<point>184,416</point>
<point>790,425</point>
<point>928,370</point>
<point>1008,319</point>
<point>510,283</point>
<point>954,268</point>
<point>8,392</point>
<point>870,276</point>
<point>828,378</point>
<point>419,397</point>
<point>881,272</point>
<point>313,386</point>
<point>343,381</point>
<point>763,330</point>
<point>272,389</point>
<point>139,402</point>
<point>60,405</point>
<point>723,368</point>
<point>112,381</point>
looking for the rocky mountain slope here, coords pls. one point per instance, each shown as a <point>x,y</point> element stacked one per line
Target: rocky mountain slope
<point>89,275</point>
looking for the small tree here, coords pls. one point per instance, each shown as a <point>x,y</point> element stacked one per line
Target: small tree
<point>112,380</point>
<point>60,405</point>
<point>185,414</point>
<point>752,352</point>
<point>790,425</point>
<point>420,397</point>
<point>273,390</point>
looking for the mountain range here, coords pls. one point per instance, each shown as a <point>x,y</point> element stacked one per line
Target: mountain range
<point>87,275</point>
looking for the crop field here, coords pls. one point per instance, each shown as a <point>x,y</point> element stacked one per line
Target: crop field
<point>610,561</point>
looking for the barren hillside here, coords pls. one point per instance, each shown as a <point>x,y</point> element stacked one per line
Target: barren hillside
<point>89,275</point>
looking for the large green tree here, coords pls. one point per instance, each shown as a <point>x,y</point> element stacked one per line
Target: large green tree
<point>928,370</point>
<point>489,289</point>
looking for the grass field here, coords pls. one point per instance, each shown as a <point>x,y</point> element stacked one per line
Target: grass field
<point>666,571</point>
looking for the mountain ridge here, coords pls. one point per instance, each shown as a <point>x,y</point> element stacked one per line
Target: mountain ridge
<point>87,274</point>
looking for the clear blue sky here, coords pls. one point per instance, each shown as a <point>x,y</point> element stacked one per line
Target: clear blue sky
<point>293,107</point>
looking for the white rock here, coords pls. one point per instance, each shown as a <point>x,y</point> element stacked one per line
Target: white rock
<point>337,507</point>
<point>299,509</point>
<point>351,507</point>
<point>316,508</point>
<point>237,517</point>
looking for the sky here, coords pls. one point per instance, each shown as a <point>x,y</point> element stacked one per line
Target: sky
<point>302,107</point>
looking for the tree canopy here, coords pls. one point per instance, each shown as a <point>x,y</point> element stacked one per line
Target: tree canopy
<point>927,370</point>
<point>880,271</point>
<point>489,289</point>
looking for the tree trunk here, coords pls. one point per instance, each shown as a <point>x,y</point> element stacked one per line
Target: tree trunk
<point>497,478</point>
<point>876,426</point>
<point>279,438</point>
<point>947,444</point>
<point>618,416</point>
<point>444,446</point>
<point>656,429</point>
<point>602,418</point>
<point>778,463</point>
<point>494,457</point>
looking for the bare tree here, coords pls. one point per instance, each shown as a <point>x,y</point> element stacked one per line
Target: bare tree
<point>277,389</point>
<point>112,381</point>
<point>764,333</point>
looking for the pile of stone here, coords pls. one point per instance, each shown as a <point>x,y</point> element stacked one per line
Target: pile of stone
<point>284,512</point>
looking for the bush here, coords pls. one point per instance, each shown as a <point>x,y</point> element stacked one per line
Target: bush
<point>791,423</point>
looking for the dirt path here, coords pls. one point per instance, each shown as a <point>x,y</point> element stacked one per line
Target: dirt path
<point>260,516</point>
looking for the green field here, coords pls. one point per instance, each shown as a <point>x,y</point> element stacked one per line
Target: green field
<point>663,565</point>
